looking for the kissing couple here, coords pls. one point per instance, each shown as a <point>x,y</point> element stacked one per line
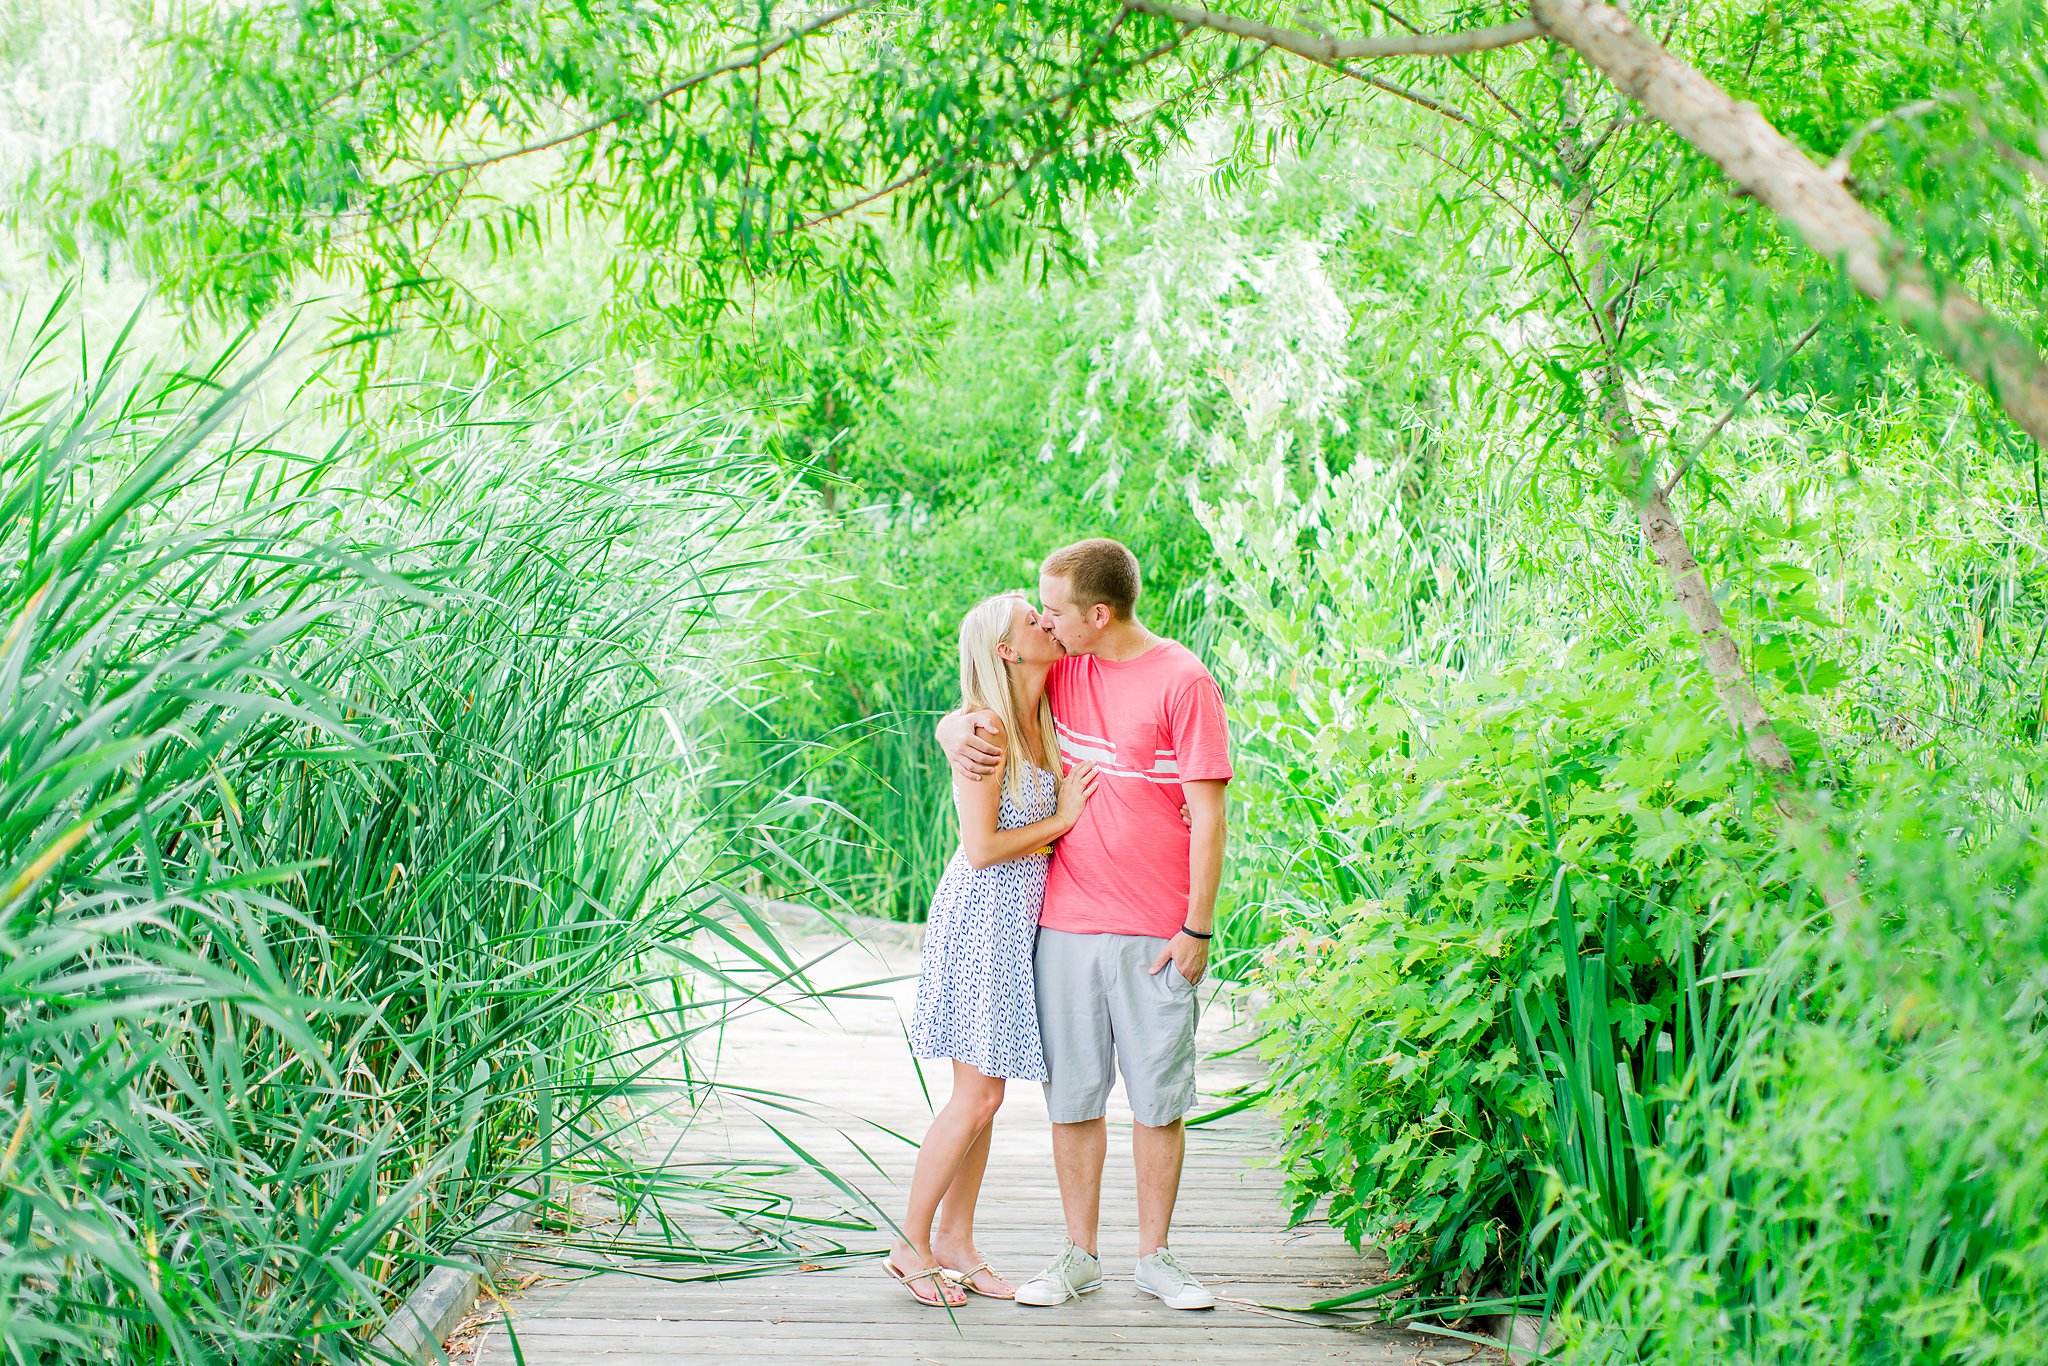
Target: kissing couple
<point>1071,929</point>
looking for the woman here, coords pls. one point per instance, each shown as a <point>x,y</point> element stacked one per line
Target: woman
<point>975,1003</point>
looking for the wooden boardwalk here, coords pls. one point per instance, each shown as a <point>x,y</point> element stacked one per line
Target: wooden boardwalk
<point>848,1060</point>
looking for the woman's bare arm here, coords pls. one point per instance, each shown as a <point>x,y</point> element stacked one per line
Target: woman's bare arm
<point>973,742</point>
<point>980,806</point>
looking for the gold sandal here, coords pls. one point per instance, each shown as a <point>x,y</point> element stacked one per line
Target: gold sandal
<point>908,1280</point>
<point>965,1280</point>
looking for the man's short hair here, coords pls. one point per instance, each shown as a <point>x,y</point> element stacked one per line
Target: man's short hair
<point>1100,570</point>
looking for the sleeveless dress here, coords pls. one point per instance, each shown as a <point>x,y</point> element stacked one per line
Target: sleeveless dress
<point>975,1000</point>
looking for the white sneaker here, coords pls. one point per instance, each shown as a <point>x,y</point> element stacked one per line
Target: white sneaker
<point>1162,1275</point>
<point>1072,1274</point>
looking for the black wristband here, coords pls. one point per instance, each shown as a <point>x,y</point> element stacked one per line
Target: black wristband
<point>1197,934</point>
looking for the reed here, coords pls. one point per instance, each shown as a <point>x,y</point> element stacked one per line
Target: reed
<point>349,851</point>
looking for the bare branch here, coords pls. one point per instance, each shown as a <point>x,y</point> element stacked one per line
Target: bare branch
<point>2033,166</point>
<point>1614,126</point>
<point>1741,401</point>
<point>1434,105</point>
<point>1815,206</point>
<point>1838,167</point>
<point>831,215</point>
<point>1485,85</point>
<point>1314,47</point>
<point>1330,51</point>
<point>1416,97</point>
<point>1543,238</point>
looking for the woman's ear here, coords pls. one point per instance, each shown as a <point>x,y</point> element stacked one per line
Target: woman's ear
<point>1006,651</point>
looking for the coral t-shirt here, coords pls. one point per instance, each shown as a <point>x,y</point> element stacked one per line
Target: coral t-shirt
<point>1148,724</point>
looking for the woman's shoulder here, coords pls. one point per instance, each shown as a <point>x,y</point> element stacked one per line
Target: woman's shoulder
<point>985,720</point>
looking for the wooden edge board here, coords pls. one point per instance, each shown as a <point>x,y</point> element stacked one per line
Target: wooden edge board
<point>415,1330</point>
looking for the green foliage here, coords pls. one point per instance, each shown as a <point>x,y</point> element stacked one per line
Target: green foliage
<point>707,148</point>
<point>1539,958</point>
<point>717,168</point>
<point>1862,1182</point>
<point>1377,375</point>
<point>344,828</point>
<point>1556,1016</point>
<point>953,489</point>
<point>1542,853</point>
<point>1544,974</point>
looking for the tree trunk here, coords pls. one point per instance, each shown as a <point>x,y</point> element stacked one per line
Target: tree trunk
<point>1764,162</point>
<point>1669,545</point>
<point>1672,551</point>
<point>1673,554</point>
<point>1667,540</point>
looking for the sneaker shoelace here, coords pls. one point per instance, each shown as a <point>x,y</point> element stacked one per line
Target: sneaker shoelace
<point>1170,1264</point>
<point>1067,1265</point>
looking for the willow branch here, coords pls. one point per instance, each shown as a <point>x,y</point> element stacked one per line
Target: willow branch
<point>1469,74</point>
<point>1068,95</point>
<point>1838,166</point>
<point>1320,48</point>
<point>758,57</point>
<point>400,57</point>
<point>1442,108</point>
<point>1741,401</point>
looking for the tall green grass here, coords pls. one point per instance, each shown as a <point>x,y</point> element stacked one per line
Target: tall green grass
<point>1862,1177</point>
<point>1557,1016</point>
<point>846,796</point>
<point>349,851</point>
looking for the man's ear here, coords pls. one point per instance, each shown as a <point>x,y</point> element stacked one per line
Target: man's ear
<point>1101,616</point>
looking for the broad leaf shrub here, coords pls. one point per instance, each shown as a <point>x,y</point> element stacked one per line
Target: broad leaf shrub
<point>1557,1016</point>
<point>1559,1021</point>
<point>1870,1185</point>
<point>1509,830</point>
<point>1592,1044</point>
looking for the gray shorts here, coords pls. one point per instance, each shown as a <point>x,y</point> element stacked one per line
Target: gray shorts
<point>1100,1008</point>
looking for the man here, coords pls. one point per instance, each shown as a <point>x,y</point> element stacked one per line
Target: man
<point>1130,904</point>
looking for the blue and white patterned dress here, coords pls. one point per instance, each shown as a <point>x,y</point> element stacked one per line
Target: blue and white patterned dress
<point>974,991</point>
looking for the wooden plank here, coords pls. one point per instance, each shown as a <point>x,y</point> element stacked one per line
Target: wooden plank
<point>975,1322</point>
<point>858,1083</point>
<point>708,1352</point>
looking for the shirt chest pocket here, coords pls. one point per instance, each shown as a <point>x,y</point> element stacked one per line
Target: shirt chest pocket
<point>1145,750</point>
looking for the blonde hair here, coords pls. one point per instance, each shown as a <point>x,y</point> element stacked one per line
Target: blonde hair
<point>986,682</point>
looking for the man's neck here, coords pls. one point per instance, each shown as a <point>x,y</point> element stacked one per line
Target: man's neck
<point>1124,640</point>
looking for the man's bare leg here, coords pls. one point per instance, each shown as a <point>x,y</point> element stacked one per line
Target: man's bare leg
<point>1077,1154</point>
<point>1157,1155</point>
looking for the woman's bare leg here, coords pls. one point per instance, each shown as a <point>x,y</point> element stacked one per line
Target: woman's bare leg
<point>953,1234</point>
<point>954,1133</point>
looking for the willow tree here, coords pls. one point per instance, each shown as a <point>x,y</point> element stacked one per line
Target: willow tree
<point>1893,158</point>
